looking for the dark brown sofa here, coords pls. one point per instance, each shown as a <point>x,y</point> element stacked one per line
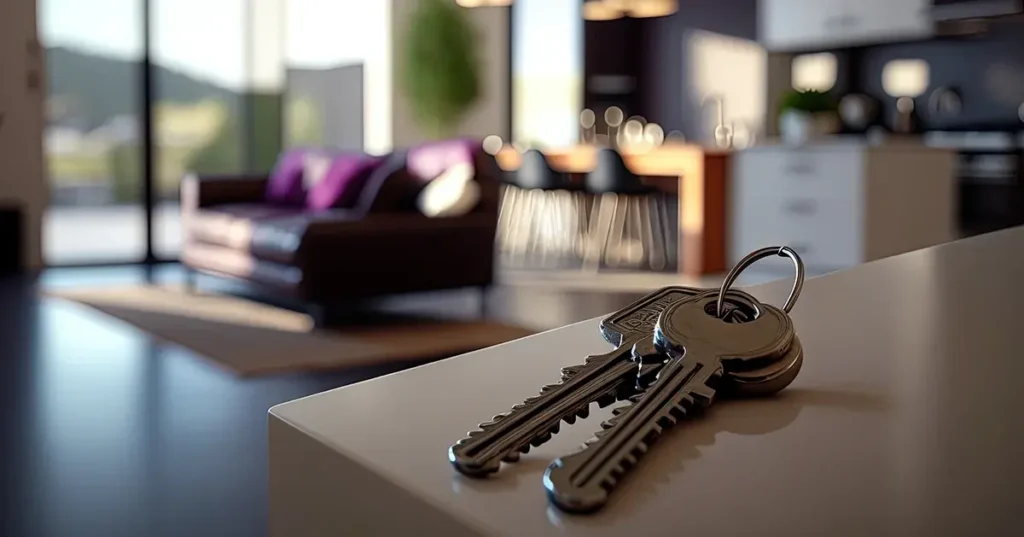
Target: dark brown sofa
<point>382,245</point>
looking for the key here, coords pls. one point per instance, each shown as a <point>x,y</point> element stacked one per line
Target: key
<point>602,378</point>
<point>703,352</point>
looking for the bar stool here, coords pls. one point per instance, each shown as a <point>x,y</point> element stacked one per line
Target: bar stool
<point>510,194</point>
<point>629,220</point>
<point>547,215</point>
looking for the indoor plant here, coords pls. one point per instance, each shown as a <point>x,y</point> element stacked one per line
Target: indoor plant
<point>805,114</point>
<point>440,71</point>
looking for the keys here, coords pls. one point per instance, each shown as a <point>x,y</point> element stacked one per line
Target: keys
<point>602,378</point>
<point>756,357</point>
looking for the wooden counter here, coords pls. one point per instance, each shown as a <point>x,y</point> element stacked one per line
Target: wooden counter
<point>697,175</point>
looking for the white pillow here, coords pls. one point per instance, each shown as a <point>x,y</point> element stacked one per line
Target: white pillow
<point>314,167</point>
<point>453,193</point>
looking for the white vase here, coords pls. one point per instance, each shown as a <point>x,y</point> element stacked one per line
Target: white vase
<point>796,127</point>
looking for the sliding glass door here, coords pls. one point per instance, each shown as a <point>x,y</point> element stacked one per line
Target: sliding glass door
<point>198,58</point>
<point>93,137</point>
<point>142,92</point>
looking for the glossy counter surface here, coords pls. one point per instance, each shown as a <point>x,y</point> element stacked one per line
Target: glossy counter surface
<point>905,420</point>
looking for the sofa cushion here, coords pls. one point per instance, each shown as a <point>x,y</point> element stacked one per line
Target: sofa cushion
<point>342,182</point>
<point>284,186</point>
<point>453,193</point>
<point>315,166</point>
<point>231,225</point>
<point>429,160</point>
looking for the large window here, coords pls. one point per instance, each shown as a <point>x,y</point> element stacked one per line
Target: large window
<point>547,72</point>
<point>215,102</point>
<point>92,137</point>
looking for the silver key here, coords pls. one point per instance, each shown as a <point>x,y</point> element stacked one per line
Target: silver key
<point>604,379</point>
<point>703,350</point>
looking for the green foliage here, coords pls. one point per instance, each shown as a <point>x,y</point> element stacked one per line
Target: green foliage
<point>440,75</point>
<point>126,169</point>
<point>812,101</point>
<point>267,129</point>
<point>223,155</point>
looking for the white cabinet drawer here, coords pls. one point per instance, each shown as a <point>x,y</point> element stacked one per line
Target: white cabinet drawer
<point>818,214</point>
<point>827,233</point>
<point>814,174</point>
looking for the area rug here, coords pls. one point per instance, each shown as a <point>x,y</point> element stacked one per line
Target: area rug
<point>250,338</point>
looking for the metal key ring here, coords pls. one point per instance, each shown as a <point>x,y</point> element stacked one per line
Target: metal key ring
<point>755,256</point>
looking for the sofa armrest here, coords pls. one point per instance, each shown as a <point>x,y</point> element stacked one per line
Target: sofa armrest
<point>205,190</point>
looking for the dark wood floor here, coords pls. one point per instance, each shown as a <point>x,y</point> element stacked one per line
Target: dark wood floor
<point>109,433</point>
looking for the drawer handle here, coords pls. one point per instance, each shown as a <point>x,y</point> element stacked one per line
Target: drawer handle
<point>800,169</point>
<point>801,207</point>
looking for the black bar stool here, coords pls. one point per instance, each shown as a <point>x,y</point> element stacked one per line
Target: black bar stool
<point>629,220</point>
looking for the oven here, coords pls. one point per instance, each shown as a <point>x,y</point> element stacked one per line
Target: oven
<point>990,174</point>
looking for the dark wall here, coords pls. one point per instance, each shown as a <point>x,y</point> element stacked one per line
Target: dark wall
<point>613,74</point>
<point>987,70</point>
<point>666,95</point>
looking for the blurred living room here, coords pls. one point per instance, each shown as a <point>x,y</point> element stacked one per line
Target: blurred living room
<point>213,207</point>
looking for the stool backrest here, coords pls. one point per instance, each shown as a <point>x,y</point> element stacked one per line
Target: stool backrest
<point>611,175</point>
<point>535,172</point>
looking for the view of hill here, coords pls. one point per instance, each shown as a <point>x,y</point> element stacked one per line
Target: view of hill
<point>94,88</point>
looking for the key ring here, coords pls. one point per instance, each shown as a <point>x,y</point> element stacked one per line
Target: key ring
<point>755,256</point>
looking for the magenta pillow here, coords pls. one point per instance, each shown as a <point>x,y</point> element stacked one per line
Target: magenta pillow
<point>284,186</point>
<point>341,185</point>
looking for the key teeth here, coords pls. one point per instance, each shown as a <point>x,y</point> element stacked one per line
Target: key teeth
<point>614,394</point>
<point>571,371</point>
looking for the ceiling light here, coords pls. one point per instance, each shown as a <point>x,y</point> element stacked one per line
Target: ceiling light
<point>484,3</point>
<point>652,8</point>
<point>601,10</point>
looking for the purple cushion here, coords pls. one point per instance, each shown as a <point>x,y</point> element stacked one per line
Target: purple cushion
<point>429,160</point>
<point>284,186</point>
<point>344,180</point>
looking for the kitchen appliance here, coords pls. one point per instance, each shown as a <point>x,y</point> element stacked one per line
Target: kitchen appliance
<point>990,173</point>
<point>858,112</point>
<point>960,10</point>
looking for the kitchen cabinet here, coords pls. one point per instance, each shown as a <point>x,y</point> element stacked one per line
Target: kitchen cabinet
<point>819,24</point>
<point>841,204</point>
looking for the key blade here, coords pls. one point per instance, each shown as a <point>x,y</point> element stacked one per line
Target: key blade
<point>603,378</point>
<point>583,481</point>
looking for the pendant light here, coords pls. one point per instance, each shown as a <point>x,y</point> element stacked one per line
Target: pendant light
<point>642,9</point>
<point>484,3</point>
<point>601,10</point>
<point>604,10</point>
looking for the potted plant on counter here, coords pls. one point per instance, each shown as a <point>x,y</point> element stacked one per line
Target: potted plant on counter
<point>440,76</point>
<point>807,114</point>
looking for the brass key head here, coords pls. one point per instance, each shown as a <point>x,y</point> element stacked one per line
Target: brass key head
<point>692,324</point>
<point>640,317</point>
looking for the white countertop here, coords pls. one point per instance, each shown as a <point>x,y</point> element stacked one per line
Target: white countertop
<point>905,420</point>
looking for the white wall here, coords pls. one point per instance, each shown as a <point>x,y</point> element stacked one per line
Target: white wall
<point>22,177</point>
<point>490,115</point>
<point>337,34</point>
